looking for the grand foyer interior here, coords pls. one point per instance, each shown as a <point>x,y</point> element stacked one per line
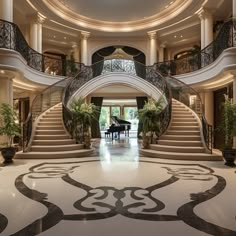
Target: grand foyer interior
<point>52,51</point>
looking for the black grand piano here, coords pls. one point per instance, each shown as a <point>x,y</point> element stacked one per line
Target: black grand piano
<point>118,126</point>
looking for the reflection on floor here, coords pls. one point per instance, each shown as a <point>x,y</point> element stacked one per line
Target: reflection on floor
<point>117,193</point>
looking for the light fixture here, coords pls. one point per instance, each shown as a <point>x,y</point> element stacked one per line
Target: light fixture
<point>175,36</point>
<point>2,71</point>
<point>181,36</point>
<point>65,38</point>
<point>54,36</point>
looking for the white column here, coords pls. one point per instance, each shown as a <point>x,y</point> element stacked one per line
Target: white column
<point>36,32</point>
<point>161,52</point>
<point>6,10</point>
<point>152,48</point>
<point>234,9</point>
<point>202,18</point>
<point>6,94</point>
<point>75,50</point>
<point>208,28</point>
<point>84,47</point>
<point>234,100</point>
<point>33,35</point>
<point>209,107</point>
<point>40,21</point>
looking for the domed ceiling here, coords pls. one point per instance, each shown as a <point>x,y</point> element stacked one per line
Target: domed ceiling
<point>117,15</point>
<point>117,10</point>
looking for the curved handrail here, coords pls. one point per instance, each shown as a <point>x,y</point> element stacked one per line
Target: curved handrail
<point>191,98</point>
<point>12,38</point>
<point>226,38</point>
<point>145,72</point>
<point>46,99</point>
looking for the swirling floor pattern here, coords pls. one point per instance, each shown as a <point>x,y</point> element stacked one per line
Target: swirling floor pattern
<point>117,193</point>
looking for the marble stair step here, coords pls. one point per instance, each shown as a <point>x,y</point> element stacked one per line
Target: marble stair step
<point>193,128</point>
<point>180,143</point>
<point>50,132</point>
<point>183,132</point>
<point>56,148</point>
<point>54,155</point>
<point>51,137</point>
<point>48,127</point>
<point>53,142</point>
<point>181,137</point>
<point>180,155</point>
<point>177,149</point>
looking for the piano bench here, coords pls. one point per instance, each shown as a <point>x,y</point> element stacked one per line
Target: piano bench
<point>107,134</point>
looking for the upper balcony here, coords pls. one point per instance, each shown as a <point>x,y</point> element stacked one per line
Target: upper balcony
<point>194,68</point>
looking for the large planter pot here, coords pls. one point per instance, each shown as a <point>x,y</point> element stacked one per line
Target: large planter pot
<point>229,156</point>
<point>146,142</point>
<point>8,154</point>
<point>87,142</point>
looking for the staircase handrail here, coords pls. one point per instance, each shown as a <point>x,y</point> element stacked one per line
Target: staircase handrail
<point>226,38</point>
<point>39,106</point>
<point>12,38</point>
<point>182,92</point>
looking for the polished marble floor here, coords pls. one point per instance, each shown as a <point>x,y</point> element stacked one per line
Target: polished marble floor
<point>116,192</point>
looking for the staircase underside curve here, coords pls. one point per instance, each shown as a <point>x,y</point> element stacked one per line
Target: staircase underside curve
<point>50,140</point>
<point>183,140</point>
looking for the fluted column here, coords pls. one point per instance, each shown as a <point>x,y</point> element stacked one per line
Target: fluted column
<point>75,50</point>
<point>209,107</point>
<point>202,18</point>
<point>152,48</point>
<point>84,47</point>
<point>161,52</point>
<point>6,10</point>
<point>208,28</point>
<point>36,32</point>
<point>234,100</point>
<point>234,9</point>
<point>6,93</point>
<point>40,21</point>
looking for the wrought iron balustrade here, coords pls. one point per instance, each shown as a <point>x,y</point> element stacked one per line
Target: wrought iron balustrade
<point>12,38</point>
<point>108,66</point>
<point>226,38</point>
<point>191,98</point>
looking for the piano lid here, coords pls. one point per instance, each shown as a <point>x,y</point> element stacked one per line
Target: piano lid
<point>118,121</point>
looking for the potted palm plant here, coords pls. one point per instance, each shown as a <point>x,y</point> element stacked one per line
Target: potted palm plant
<point>228,127</point>
<point>10,128</point>
<point>83,114</point>
<point>149,118</point>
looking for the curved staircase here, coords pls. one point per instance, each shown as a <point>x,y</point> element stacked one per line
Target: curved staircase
<point>183,140</point>
<point>50,139</point>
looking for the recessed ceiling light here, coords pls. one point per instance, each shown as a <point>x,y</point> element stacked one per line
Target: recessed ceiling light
<point>181,36</point>
<point>65,38</point>
<point>175,36</point>
<point>2,71</point>
<point>54,36</point>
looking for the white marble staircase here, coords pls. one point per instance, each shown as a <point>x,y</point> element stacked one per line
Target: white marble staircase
<point>50,139</point>
<point>183,140</point>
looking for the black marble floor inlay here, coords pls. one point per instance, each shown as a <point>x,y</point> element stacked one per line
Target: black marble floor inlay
<point>140,203</point>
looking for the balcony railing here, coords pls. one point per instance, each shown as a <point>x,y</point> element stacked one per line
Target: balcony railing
<point>12,38</point>
<point>226,38</point>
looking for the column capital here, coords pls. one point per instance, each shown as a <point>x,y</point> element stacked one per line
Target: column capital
<point>85,34</point>
<point>38,18</point>
<point>206,12</point>
<point>152,34</point>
